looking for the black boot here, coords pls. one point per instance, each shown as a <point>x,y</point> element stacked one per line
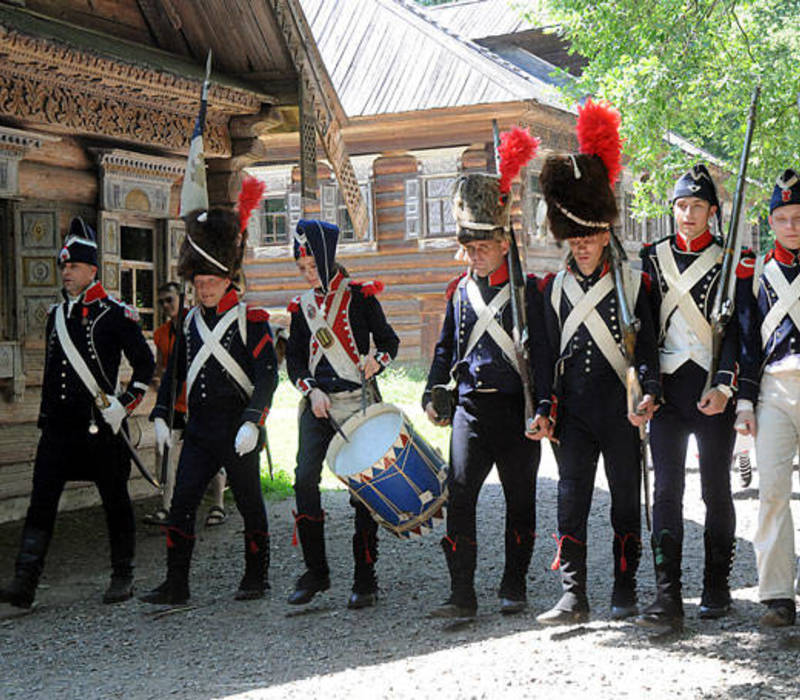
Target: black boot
<point>627,553</point>
<point>365,583</point>
<point>461,555</point>
<point>175,590</point>
<point>317,576</point>
<point>255,582</point>
<point>716,599</point>
<point>513,588</point>
<point>574,605</point>
<point>30,562</point>
<point>120,588</point>
<point>666,611</point>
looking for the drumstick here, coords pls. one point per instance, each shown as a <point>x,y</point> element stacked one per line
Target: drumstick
<point>337,427</point>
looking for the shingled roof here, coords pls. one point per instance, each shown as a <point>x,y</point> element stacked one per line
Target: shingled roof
<point>389,56</point>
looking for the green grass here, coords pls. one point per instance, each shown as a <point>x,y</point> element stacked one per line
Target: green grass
<point>400,384</point>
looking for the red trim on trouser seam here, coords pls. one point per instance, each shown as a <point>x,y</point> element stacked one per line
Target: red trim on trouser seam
<point>560,543</point>
<point>167,529</point>
<point>623,562</point>
<point>298,518</point>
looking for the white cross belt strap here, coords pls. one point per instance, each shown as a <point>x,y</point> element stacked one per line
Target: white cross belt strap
<point>212,347</point>
<point>327,341</point>
<point>75,358</point>
<point>487,321</point>
<point>680,286</point>
<point>787,304</point>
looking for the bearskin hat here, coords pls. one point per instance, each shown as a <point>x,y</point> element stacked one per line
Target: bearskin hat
<point>579,188</point>
<point>481,211</point>
<point>212,245</point>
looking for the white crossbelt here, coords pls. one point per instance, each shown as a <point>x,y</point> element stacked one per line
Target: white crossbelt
<point>321,331</point>
<point>787,304</point>
<point>75,358</point>
<point>688,319</point>
<point>487,321</point>
<point>584,311</point>
<point>212,347</point>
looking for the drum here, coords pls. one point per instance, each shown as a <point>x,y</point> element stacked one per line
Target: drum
<point>390,468</point>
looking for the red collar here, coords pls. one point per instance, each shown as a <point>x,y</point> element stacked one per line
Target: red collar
<point>228,301</point>
<point>333,285</point>
<point>500,275</point>
<point>94,292</point>
<point>696,244</point>
<point>785,256</point>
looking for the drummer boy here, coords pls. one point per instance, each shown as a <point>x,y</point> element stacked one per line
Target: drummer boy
<point>476,348</point>
<point>328,359</point>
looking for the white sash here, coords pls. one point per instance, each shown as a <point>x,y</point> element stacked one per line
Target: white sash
<point>332,347</point>
<point>679,294</point>
<point>487,321</point>
<point>75,358</point>
<point>212,347</point>
<point>787,304</point>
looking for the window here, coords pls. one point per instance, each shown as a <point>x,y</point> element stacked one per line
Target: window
<point>334,209</point>
<point>137,272</point>
<point>275,220</point>
<point>439,206</point>
<point>412,210</point>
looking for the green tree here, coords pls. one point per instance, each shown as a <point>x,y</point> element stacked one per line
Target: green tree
<point>688,67</point>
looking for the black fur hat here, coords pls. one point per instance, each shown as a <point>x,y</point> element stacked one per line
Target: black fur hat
<point>481,210</point>
<point>213,244</point>
<point>580,201</point>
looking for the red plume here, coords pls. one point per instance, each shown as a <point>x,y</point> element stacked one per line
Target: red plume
<point>516,148</point>
<point>249,198</point>
<point>598,135</point>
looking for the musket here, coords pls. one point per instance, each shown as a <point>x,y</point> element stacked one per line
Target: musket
<point>519,330</point>
<point>722,310</point>
<point>176,331</point>
<point>102,402</point>
<point>629,328</point>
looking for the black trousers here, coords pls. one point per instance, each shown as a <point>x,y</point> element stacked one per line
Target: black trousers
<point>77,455</point>
<point>315,436</point>
<point>488,428</point>
<point>590,423</point>
<point>208,446</point>
<point>669,433</point>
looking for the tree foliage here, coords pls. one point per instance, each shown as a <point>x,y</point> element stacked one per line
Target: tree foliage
<point>689,67</point>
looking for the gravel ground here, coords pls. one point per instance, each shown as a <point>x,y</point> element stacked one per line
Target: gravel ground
<point>72,646</point>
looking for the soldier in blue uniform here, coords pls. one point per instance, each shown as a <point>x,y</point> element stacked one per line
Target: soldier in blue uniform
<point>685,271</point>
<point>227,359</point>
<point>768,308</point>
<point>86,335</point>
<point>476,350</point>
<point>584,329</point>
<point>328,358</point>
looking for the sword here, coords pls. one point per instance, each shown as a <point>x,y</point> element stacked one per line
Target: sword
<point>363,392</point>
<point>103,402</point>
<point>269,454</point>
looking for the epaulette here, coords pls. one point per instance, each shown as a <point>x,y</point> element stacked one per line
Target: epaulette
<point>129,311</point>
<point>452,284</point>
<point>747,264</point>
<point>294,305</point>
<point>256,313</point>
<point>648,248</point>
<point>369,288</point>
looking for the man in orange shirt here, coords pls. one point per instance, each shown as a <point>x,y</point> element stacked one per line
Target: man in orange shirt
<point>164,339</point>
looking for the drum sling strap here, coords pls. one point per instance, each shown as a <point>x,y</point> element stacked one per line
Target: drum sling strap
<point>487,321</point>
<point>74,357</point>
<point>679,297</point>
<point>327,341</point>
<point>212,347</point>
<point>787,304</point>
<point>584,311</point>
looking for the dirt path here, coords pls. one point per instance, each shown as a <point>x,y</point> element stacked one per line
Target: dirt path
<point>71,646</point>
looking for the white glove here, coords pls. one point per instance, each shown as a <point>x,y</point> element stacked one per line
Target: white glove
<point>114,414</point>
<point>246,439</point>
<point>163,435</point>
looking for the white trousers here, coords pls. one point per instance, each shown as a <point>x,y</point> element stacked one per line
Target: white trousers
<point>777,438</point>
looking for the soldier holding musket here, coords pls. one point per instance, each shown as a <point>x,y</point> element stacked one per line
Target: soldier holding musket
<point>584,328</point>
<point>685,269</point>
<point>476,348</point>
<point>82,416</point>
